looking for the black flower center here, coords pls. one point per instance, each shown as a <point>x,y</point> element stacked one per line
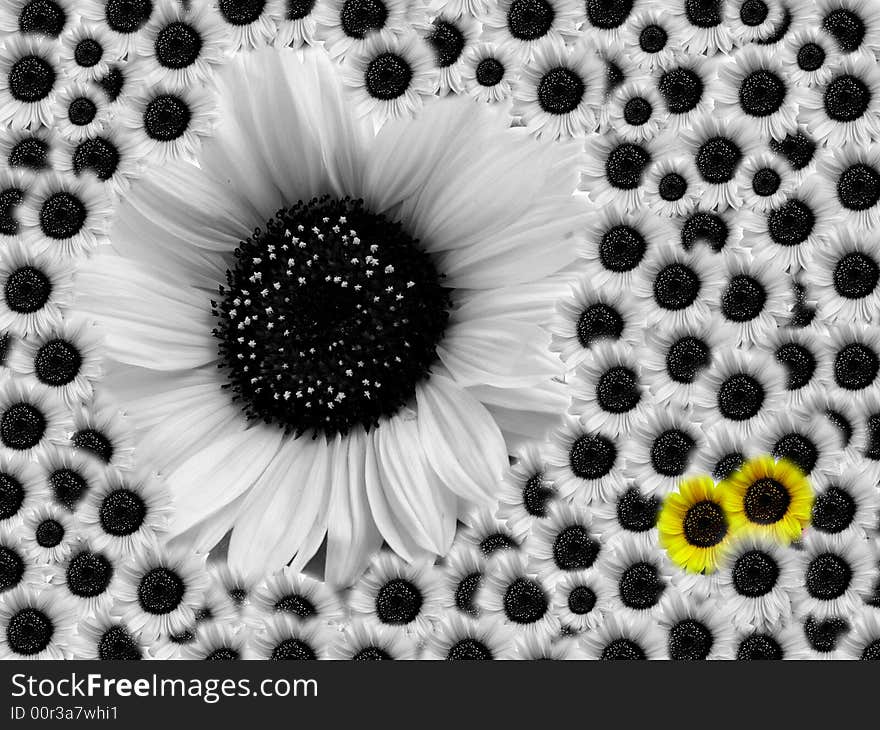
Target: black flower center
<point>89,574</point>
<point>166,118</point>
<point>466,593</point>
<point>560,90</point>
<point>49,533</point>
<point>856,275</point>
<point>622,248</point>
<point>360,17</point>
<point>709,228</point>
<point>799,363</point>
<point>625,166</point>
<point>676,286</point>
<point>29,631</point>
<point>116,643</point>
<point>705,524</point>
<point>44,17</point>
<point>371,654</point>
<point>810,57</point>
<point>872,427</point>
<point>574,548</point>
<point>855,366</point>
<point>833,510</point>
<point>671,452</point>
<point>761,93</point>
<point>388,76</point>
<point>637,512</point>
<point>871,652</point>
<point>672,187</point>
<point>178,45</point>
<point>469,649</point>
<point>122,512</point>
<point>755,574</point>
<point>608,14</point>
<point>10,199</point>
<point>717,159</point>
<point>828,576</point>
<point>753,12</point>
<point>797,148</point>
<point>823,636</point>
<point>27,290</point>
<point>99,155</point>
<point>759,646</point>
<point>447,41</point>
<point>330,318</point>
<point>12,495</point>
<point>727,464</point>
<point>160,591</point>
<point>846,27</point>
<point>690,640</point>
<point>766,182</point>
<point>62,215</point>
<point>22,426</point>
<point>293,650</point>
<point>398,602</point>
<point>525,601</point>
<point>592,456</point>
<point>618,390</point>
<point>766,501</point>
<point>31,78</point>
<point>128,16</point>
<point>641,586</point>
<point>841,423</point>
<point>858,187</point>
<point>81,111</point>
<point>113,83</point>
<point>740,397</point>
<point>846,98</point>
<point>298,9</point>
<point>637,111</point>
<point>57,362</point>
<point>490,72</point>
<point>11,568</point>
<point>791,223</point>
<point>496,541</point>
<point>681,89</point>
<point>528,20</point>
<point>622,649</point>
<point>704,13</point>
<point>95,443</point>
<point>685,359</point>
<point>653,39</point>
<point>599,321</point>
<point>88,53</point>
<point>799,450</point>
<point>68,487</point>
<point>223,654</point>
<point>743,298</point>
<point>536,494</point>
<point>242,12</point>
<point>581,600</point>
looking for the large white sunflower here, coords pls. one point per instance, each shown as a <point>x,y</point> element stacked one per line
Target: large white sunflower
<point>325,332</point>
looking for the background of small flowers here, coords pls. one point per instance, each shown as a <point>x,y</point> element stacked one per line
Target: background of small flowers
<point>724,305</point>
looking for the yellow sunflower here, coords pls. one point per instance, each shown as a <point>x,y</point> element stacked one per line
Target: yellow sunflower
<point>768,496</point>
<point>693,525</point>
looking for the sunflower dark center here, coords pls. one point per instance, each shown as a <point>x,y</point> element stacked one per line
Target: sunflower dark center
<point>27,290</point>
<point>12,568</point>
<point>496,541</point>
<point>525,601</point>
<point>448,42</point>
<point>704,13</point>
<point>689,640</point>
<point>717,159</point>
<point>223,654</point>
<point>671,452</point>
<point>242,12</point>
<point>95,443</point>
<point>618,390</point>
<point>842,423</point>
<point>536,494</point>
<point>599,321</point>
<point>833,510</point>
<point>12,495</point>
<point>371,654</point>
<point>178,45</point>
<point>743,298</point>
<point>560,90</point>
<point>469,649</point>
<point>166,118</point>
<point>128,16</point>
<point>10,199</point>
<point>676,286</point>
<point>640,586</point>
<point>846,27</point>
<point>574,548</point>
<point>766,501</point>
<point>798,449</point>
<point>705,524</point>
<point>871,652</point>
<point>799,363</point>
<point>753,12</point>
<point>856,275</point>
<point>398,602</point>
<point>466,594</point>
<point>672,187</point>
<point>686,358</point>
<point>122,512</point>
<point>29,631</point>
<point>637,512</point>
<point>116,643</point>
<point>298,9</point>
<point>681,89</point>
<point>581,600</point>
<point>856,366</point>
<point>707,227</point>
<point>846,98</point>
<point>44,17</point>
<point>824,635</point>
<point>858,187</point>
<point>754,574</point>
<point>727,464</point>
<point>293,650</point>
<point>160,591</point>
<point>68,487</point>
<point>791,223</point>
<point>89,574</point>
<point>608,14</point>
<point>626,165</point>
<point>49,533</point>
<point>766,182</point>
<point>528,20</point>
<point>388,76</point>
<point>592,456</point>
<point>622,248</point>
<point>62,215</point>
<point>637,111</point>
<point>759,646</point>
<point>361,17</point>
<point>872,437</point>
<point>88,53</point>
<point>22,426</point>
<point>113,83</point>
<point>761,93</point>
<point>57,362</point>
<point>622,649</point>
<point>330,318</point>
<point>653,38</point>
<point>81,111</point>
<point>810,57</point>
<point>31,78</point>
<point>828,577</point>
<point>490,72</point>
<point>797,148</point>
<point>99,155</point>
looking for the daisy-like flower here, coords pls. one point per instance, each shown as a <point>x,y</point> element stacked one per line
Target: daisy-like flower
<point>48,533</point>
<point>514,594</point>
<point>695,632</point>
<point>126,513</point>
<point>168,123</point>
<point>863,642</point>
<point>160,591</point>
<point>563,544</point>
<point>651,36</point>
<point>845,274</point>
<point>489,71</point>
<point>449,39</point>
<point>774,643</point>
<point>800,150</point>
<point>624,638</point>
<point>282,638</point>
<point>232,586</point>
<point>81,111</point>
<point>26,153</point>
<point>559,91</point>
<point>91,578</point>
<point>218,641</point>
<point>65,359</point>
<point>693,526</point>
<point>825,636</point>
<point>757,580</point>
<point>638,574</point>
<point>853,362</point>
<point>835,575</point>
<point>29,80</point>
<point>31,418</point>
<point>616,171</point>
<point>37,625</point>
<point>488,534</point>
<point>173,260</point>
<point>100,431</point>
<point>666,444</point>
<point>717,230</point>
<point>17,568</point>
<point>854,25</point>
<point>20,489</point>
<point>296,595</point>
<point>180,46</point>
<point>109,639</point>
<point>113,157</point>
<point>628,510</point>
<point>399,595</point>
<point>581,600</point>
<point>365,640</point>
<point>673,187</point>
<point>608,389</point>
<point>124,19</point>
<point>637,111</point>
<point>854,174</point>
<point>704,26</point>
<point>846,505</point>
<point>525,493</point>
<point>586,316</point>
<point>37,17</point>
<point>684,81</point>
<point>296,22</point>
<point>65,216</point>
<point>754,300</point>
<point>35,290</point>
<point>348,26</point>
<point>458,637</point>
<point>803,359</point>
<point>677,286</point>
<point>809,56</point>
<point>530,22</point>
<point>752,20</point>
<point>88,50</point>
<point>764,182</point>
<point>768,497</point>
<point>812,444</point>
<point>585,463</point>
<point>463,571</point>
<point>68,476</point>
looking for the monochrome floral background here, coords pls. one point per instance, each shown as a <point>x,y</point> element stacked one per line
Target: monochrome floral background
<point>477,329</point>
